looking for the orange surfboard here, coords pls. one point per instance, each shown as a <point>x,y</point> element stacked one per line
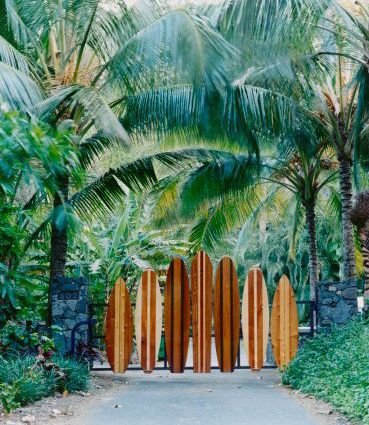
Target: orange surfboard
<point>119,328</point>
<point>177,315</point>
<point>284,323</point>
<point>148,320</point>
<point>226,315</point>
<point>255,318</point>
<point>202,298</point>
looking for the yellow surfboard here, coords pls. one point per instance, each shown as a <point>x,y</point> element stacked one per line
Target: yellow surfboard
<point>148,320</point>
<point>284,323</point>
<point>119,328</point>
<point>255,318</point>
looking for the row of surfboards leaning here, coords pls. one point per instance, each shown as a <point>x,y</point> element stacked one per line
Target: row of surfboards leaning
<point>204,306</point>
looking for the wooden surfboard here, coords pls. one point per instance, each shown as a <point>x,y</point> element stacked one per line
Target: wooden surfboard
<point>177,315</point>
<point>202,299</point>
<point>148,320</point>
<point>226,315</point>
<point>119,328</point>
<point>255,318</point>
<point>285,323</point>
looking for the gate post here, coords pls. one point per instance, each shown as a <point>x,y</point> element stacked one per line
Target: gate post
<point>336,303</point>
<point>69,306</point>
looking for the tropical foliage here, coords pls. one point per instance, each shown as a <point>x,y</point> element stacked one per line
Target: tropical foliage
<point>334,368</point>
<point>230,126</point>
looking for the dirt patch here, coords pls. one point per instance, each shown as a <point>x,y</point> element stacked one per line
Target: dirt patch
<point>324,413</point>
<point>61,409</point>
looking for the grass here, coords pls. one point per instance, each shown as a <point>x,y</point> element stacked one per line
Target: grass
<point>335,368</point>
<point>24,380</point>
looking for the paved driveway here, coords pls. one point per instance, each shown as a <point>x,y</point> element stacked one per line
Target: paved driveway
<point>243,398</point>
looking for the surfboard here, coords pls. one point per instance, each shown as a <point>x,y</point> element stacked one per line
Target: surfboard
<point>284,323</point>
<point>119,328</point>
<point>177,315</point>
<point>255,318</point>
<point>202,299</point>
<point>148,320</point>
<point>226,315</point>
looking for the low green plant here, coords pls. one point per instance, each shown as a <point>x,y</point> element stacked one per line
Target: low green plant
<point>75,374</point>
<point>335,368</point>
<point>26,379</point>
<point>8,395</point>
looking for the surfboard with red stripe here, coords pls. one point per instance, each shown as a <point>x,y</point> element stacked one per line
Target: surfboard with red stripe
<point>284,323</point>
<point>119,328</point>
<point>202,298</point>
<point>226,315</point>
<point>177,315</point>
<point>148,320</point>
<point>255,318</point>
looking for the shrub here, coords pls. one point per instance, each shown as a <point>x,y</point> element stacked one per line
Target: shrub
<point>27,379</point>
<point>335,368</point>
<point>76,374</point>
<point>16,338</point>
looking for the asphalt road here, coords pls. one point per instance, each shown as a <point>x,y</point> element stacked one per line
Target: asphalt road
<point>242,397</point>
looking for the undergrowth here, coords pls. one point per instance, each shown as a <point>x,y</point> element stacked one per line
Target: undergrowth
<point>335,368</point>
<point>26,379</point>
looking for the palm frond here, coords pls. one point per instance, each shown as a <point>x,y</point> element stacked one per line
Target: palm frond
<point>95,146</point>
<point>222,217</point>
<point>184,43</point>
<point>227,175</point>
<point>12,57</point>
<point>95,109</point>
<point>17,90</point>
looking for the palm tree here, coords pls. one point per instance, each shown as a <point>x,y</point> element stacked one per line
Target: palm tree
<point>83,61</point>
<point>309,170</point>
<point>223,194</point>
<point>360,217</point>
<point>336,101</point>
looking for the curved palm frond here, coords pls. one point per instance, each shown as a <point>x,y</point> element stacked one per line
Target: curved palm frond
<point>184,43</point>
<point>94,109</point>
<point>228,175</point>
<point>103,195</point>
<point>222,217</point>
<point>17,90</point>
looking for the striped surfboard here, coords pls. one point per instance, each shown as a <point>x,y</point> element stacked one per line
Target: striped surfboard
<point>148,320</point>
<point>226,315</point>
<point>284,323</point>
<point>202,298</point>
<point>255,318</point>
<point>177,315</point>
<point>119,328</point>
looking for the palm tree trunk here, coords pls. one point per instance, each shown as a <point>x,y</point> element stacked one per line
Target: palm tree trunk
<point>313,257</point>
<point>59,240</point>
<point>364,239</point>
<point>349,266</point>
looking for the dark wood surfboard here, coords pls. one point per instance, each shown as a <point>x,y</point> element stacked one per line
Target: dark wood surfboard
<point>202,299</point>
<point>226,315</point>
<point>119,328</point>
<point>148,320</point>
<point>255,318</point>
<point>177,315</point>
<point>284,323</point>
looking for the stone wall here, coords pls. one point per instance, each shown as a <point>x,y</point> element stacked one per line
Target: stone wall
<point>69,306</point>
<point>336,302</point>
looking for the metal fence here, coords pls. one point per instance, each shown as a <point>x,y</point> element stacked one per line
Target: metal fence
<point>96,338</point>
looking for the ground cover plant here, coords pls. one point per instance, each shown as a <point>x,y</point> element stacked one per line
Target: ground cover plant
<point>335,368</point>
<point>25,379</point>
